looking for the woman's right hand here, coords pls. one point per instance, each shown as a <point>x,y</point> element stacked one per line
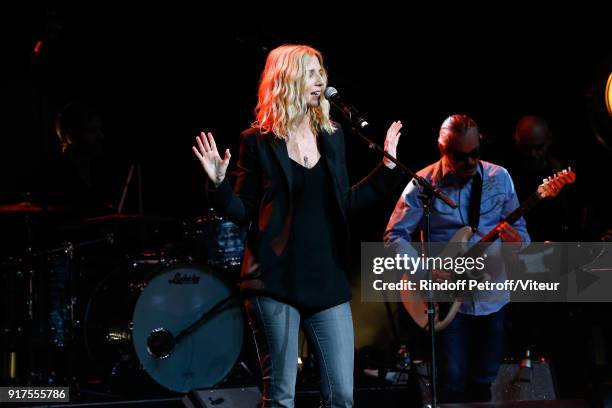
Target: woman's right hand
<point>208,155</point>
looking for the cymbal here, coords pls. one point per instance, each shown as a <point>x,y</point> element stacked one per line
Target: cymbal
<point>127,217</point>
<point>28,207</point>
<point>114,221</point>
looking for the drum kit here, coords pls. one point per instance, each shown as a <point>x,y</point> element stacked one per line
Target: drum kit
<point>124,298</point>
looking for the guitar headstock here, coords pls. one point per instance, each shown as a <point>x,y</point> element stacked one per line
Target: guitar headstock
<point>553,185</point>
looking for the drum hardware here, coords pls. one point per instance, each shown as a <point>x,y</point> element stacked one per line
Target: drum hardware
<point>62,283</point>
<point>56,282</point>
<point>161,342</point>
<point>69,247</point>
<point>28,207</point>
<point>163,321</point>
<point>214,240</point>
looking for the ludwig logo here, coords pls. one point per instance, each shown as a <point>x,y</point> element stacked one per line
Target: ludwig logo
<point>184,279</point>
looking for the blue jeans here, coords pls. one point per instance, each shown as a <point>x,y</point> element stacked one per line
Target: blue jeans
<point>470,351</point>
<point>329,332</point>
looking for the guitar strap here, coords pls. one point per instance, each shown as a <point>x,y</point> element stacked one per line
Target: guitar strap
<point>475,197</point>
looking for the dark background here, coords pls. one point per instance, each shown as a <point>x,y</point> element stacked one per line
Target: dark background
<point>161,74</point>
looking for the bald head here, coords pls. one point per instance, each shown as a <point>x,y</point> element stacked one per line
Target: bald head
<point>533,138</point>
<point>532,130</point>
<point>459,145</point>
<point>455,129</point>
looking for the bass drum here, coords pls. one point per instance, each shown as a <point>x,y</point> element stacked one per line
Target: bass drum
<point>127,308</point>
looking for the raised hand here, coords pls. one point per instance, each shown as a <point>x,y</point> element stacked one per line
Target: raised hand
<point>208,155</point>
<point>393,135</point>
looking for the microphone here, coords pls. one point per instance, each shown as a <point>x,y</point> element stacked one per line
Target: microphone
<point>350,113</point>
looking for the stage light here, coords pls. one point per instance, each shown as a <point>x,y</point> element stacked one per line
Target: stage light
<point>608,95</point>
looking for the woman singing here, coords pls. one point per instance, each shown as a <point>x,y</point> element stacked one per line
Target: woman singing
<point>293,189</point>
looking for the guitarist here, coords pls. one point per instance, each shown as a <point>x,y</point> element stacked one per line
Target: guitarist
<point>470,349</point>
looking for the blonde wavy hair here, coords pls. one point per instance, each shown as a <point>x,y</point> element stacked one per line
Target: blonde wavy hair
<point>282,87</point>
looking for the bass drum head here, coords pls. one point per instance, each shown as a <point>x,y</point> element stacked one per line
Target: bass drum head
<point>174,300</point>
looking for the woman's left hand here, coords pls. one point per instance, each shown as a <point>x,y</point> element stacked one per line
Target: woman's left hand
<point>393,135</point>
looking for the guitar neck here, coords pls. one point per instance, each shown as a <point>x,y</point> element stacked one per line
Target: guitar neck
<point>513,217</point>
<point>549,188</point>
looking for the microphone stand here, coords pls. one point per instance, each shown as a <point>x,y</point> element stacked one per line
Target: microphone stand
<point>429,189</point>
<point>427,196</point>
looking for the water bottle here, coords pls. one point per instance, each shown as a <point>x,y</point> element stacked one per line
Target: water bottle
<point>403,358</point>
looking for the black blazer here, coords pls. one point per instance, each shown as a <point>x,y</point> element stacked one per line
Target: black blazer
<point>262,196</point>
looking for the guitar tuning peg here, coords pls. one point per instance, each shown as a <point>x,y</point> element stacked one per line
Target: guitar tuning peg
<point>564,171</point>
<point>544,180</point>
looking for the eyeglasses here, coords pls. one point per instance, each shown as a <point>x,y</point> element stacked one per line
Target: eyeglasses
<point>463,156</point>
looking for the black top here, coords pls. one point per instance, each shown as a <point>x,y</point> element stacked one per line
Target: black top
<point>263,199</point>
<point>314,277</point>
